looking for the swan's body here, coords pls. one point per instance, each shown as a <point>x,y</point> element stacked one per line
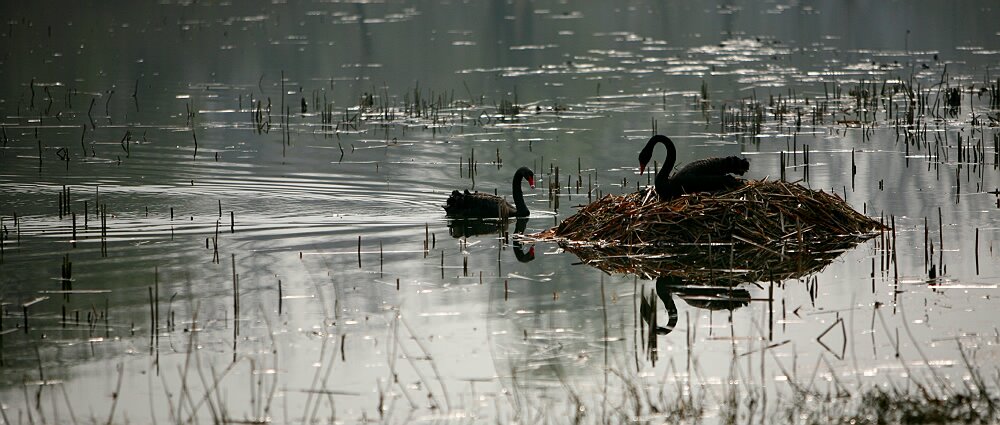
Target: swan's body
<point>476,204</point>
<point>704,175</point>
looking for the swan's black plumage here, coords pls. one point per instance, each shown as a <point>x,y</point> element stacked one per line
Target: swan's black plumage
<point>476,204</point>
<point>704,175</point>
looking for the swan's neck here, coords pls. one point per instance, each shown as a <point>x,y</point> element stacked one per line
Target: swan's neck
<point>522,208</point>
<point>663,175</point>
<point>663,291</point>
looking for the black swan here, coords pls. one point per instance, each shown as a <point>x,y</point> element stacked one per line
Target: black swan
<point>703,175</point>
<point>485,205</point>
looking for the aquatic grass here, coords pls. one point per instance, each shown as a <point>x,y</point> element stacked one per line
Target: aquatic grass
<point>740,400</point>
<point>195,390</point>
<point>907,402</point>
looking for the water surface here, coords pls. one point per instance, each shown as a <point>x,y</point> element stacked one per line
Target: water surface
<point>272,177</point>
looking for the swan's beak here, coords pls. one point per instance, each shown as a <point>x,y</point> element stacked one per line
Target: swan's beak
<point>531,182</point>
<point>642,169</point>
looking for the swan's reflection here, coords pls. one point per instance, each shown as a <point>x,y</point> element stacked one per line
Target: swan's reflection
<point>519,253</point>
<point>705,297</point>
<point>466,227</point>
<point>699,296</point>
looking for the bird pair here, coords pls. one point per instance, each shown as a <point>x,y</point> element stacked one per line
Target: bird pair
<point>704,175</point>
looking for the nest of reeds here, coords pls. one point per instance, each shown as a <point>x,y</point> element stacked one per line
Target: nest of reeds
<point>764,230</point>
<point>763,213</point>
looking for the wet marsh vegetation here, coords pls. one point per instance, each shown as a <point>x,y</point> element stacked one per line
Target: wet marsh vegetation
<point>212,213</point>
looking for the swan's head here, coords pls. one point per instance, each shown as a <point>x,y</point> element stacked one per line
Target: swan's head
<point>522,256</point>
<point>528,175</point>
<point>647,151</point>
<point>644,156</point>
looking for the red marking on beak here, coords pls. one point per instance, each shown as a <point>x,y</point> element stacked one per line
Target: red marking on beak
<point>531,182</point>
<point>642,169</point>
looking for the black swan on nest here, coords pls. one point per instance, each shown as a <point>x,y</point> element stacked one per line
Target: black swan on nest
<point>703,175</point>
<point>478,204</point>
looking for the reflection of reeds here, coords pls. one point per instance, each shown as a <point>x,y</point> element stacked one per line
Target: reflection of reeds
<point>717,264</point>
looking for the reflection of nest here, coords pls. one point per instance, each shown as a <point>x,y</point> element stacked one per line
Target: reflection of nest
<point>763,213</point>
<point>718,264</point>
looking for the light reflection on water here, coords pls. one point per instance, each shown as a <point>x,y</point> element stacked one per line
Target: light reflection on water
<point>472,327</point>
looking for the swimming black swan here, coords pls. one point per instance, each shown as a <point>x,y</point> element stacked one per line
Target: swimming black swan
<point>485,205</point>
<point>703,175</point>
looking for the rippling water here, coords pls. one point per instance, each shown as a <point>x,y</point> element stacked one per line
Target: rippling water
<point>354,299</point>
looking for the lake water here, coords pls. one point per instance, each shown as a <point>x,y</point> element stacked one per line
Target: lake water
<point>270,179</point>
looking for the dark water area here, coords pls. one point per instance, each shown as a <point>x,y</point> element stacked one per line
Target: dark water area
<point>233,211</point>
